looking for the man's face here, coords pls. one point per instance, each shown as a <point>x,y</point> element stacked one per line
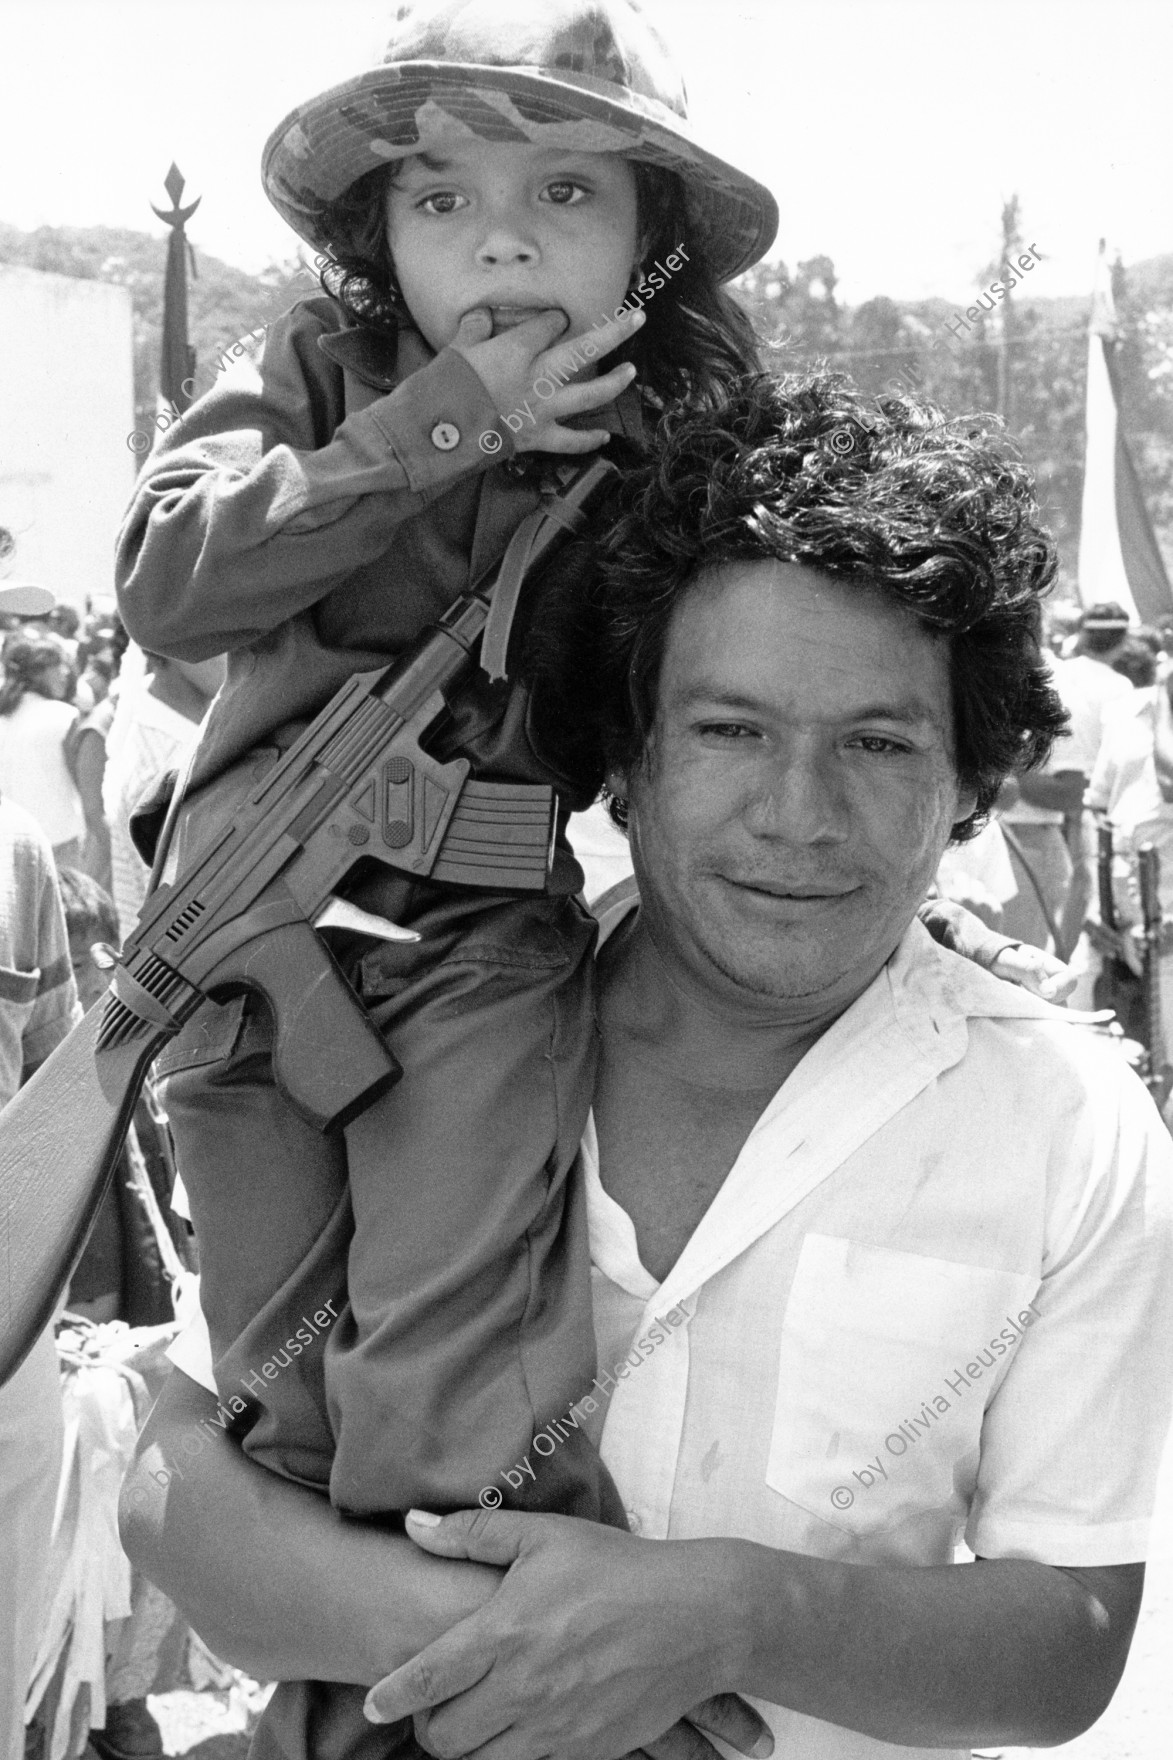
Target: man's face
<point>799,791</point>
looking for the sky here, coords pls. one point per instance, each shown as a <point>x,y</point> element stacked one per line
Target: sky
<point>891,131</point>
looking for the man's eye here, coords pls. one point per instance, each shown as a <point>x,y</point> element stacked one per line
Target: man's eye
<point>726,730</point>
<point>565,193</point>
<point>444,201</point>
<point>878,744</point>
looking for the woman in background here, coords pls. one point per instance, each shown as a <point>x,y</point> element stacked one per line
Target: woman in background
<point>36,730</point>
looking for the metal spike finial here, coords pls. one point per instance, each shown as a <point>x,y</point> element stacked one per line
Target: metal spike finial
<point>173,183</point>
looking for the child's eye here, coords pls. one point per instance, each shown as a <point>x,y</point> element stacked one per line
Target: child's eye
<point>443,201</point>
<point>565,193</point>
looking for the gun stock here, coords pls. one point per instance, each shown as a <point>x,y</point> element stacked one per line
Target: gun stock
<point>62,1136</point>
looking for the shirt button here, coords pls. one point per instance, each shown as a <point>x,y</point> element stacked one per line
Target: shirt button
<point>445,436</point>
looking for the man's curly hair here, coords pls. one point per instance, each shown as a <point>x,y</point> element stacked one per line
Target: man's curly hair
<point>939,515</point>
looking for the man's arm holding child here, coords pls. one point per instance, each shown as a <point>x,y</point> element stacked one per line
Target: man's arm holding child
<point>280,1584</point>
<point>596,1637</point>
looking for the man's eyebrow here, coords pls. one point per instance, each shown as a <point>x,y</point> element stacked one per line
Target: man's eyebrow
<point>906,714</point>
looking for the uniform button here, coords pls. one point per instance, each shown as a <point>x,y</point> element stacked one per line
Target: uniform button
<point>633,1521</point>
<point>445,436</point>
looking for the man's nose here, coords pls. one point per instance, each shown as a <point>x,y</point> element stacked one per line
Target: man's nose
<point>799,798</point>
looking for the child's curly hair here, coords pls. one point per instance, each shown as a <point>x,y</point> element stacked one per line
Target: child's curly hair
<point>696,343</point>
<point>939,515</point>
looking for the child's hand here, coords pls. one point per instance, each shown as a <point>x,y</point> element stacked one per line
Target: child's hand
<point>525,370</point>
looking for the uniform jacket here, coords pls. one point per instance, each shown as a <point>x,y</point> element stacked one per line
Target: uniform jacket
<point>322,504</point>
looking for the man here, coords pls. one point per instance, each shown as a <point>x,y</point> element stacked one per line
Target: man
<point>38,1006</point>
<point>1132,787</point>
<point>881,1246</point>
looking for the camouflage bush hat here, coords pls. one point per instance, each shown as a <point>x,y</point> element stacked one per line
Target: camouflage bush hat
<point>584,74</point>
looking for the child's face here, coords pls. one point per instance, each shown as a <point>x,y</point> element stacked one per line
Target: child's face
<point>515,228</point>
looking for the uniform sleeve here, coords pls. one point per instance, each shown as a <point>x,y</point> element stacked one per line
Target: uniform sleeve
<point>1071,1443</point>
<point>55,1010</point>
<point>267,494</point>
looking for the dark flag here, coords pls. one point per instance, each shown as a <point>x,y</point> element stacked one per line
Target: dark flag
<point>177,362</point>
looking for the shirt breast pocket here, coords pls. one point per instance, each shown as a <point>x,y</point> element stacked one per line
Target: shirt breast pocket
<point>887,1362</point>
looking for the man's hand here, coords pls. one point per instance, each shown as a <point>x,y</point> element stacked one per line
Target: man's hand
<point>1040,973</point>
<point>1015,961</point>
<point>595,1645</point>
<point>526,373</point>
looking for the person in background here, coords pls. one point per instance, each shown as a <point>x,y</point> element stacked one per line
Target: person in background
<point>1132,786</point>
<point>1136,661</point>
<point>89,752</point>
<point>1093,682</point>
<point>65,622</point>
<point>38,1006</point>
<point>151,731</point>
<point>123,1275</point>
<point>36,728</point>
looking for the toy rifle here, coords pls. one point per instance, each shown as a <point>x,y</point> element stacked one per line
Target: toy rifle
<point>243,915</point>
<point>1158,1074</point>
<point>1117,987</point>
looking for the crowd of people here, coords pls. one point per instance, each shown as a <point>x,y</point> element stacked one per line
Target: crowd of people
<point>86,723</point>
<point>745,1127</point>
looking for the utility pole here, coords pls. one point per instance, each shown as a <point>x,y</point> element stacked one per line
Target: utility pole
<point>1011,245</point>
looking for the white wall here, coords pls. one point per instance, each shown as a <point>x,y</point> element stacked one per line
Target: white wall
<point>66,408</point>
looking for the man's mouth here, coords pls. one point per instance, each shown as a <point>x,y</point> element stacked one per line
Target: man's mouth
<point>784,890</point>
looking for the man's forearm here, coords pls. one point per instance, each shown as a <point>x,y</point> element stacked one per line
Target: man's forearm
<point>1001,1650</point>
<point>267,1572</point>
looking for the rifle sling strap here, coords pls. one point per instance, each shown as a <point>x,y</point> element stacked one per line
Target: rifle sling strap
<point>511,577</point>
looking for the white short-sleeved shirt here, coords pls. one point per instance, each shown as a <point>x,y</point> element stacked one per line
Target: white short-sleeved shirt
<point>1087,689</point>
<point>932,1300</point>
<point>1090,691</point>
<point>33,769</point>
<point>1124,785</point>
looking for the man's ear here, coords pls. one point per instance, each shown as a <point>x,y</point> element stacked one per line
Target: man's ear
<point>967,800</point>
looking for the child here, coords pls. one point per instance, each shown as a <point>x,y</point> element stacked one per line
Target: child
<point>398,1308</point>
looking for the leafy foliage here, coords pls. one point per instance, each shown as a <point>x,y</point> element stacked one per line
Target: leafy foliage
<point>892,348</point>
<point>886,345</point>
